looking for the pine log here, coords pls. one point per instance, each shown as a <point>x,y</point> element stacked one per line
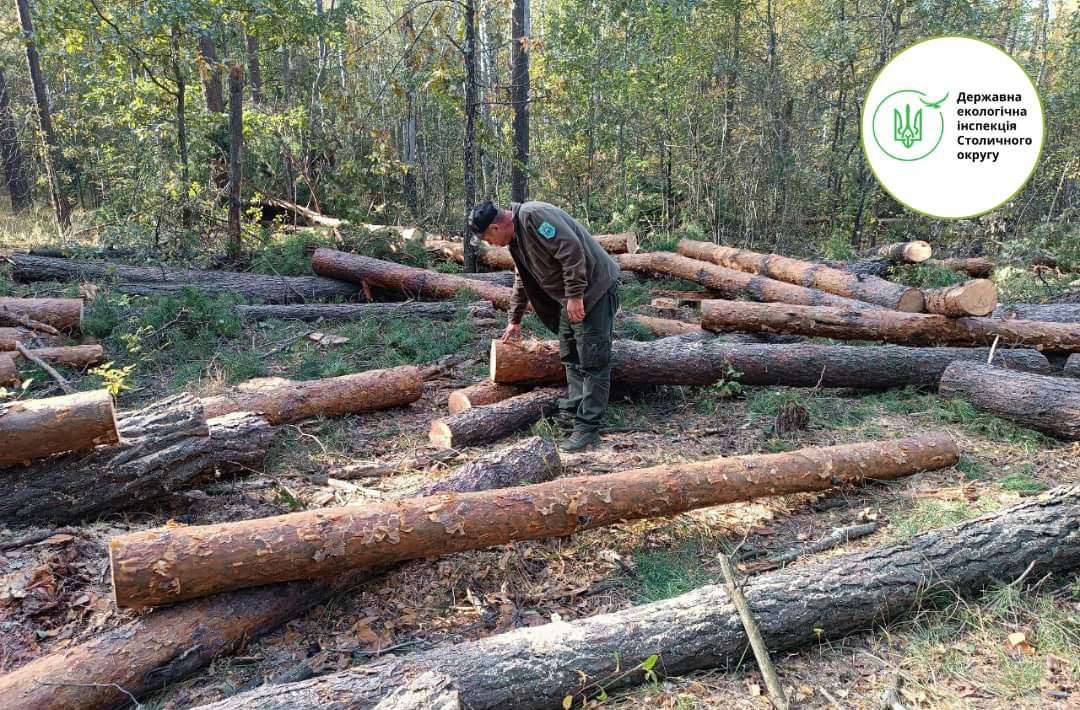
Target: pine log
<point>535,668</point>
<point>914,252</point>
<point>664,327</point>
<point>75,356</point>
<point>1041,402</point>
<point>64,314</point>
<point>678,361</point>
<point>9,373</point>
<point>172,564</point>
<point>427,691</point>
<point>489,256</point>
<point>874,266</point>
<point>156,649</point>
<point>29,338</point>
<point>1047,312</point>
<point>166,446</point>
<point>496,278</point>
<point>366,271</point>
<point>480,394</point>
<point>282,401</point>
<point>155,281</point>
<point>1072,366</point>
<point>532,460</point>
<point>619,243</point>
<point>35,428</point>
<point>482,425</point>
<point>976,266</point>
<point>887,326</point>
<point>974,298</point>
<point>364,311</point>
<point>731,283</point>
<point>809,274</point>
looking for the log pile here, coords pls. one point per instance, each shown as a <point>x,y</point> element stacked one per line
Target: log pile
<point>973,298</point>
<point>28,337</point>
<point>57,314</point>
<point>913,252</point>
<point>1051,312</point>
<point>976,267</point>
<point>36,428</point>
<point>482,425</point>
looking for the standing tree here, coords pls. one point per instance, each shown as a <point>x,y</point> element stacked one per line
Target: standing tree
<point>211,74</point>
<point>519,88</point>
<point>236,143</point>
<point>470,129</point>
<point>11,156</point>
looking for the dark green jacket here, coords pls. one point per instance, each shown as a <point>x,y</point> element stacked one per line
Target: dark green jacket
<point>556,259</point>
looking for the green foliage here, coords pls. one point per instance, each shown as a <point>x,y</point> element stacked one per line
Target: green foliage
<point>114,379</point>
<point>930,514</point>
<point>927,276</point>
<point>662,574</point>
<point>290,254</point>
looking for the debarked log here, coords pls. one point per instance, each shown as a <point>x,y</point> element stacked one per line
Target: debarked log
<point>36,428</point>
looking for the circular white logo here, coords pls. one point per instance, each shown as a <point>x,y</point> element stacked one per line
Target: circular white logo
<point>952,127</point>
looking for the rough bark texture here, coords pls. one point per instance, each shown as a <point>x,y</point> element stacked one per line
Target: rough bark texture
<point>282,401</point>
<point>76,356</point>
<point>809,274</point>
<point>9,372</point>
<point>480,394</point>
<point>732,283</point>
<point>1047,312</point>
<point>874,266</point>
<point>1047,404</point>
<point>496,278</point>
<point>29,338</point>
<point>974,298</point>
<point>976,266</point>
<point>489,256</point>
<point>152,281</point>
<point>532,460</point>
<point>164,447</point>
<point>887,326</point>
<point>482,425</point>
<point>366,271</point>
<point>427,691</point>
<point>61,313</point>
<point>236,156</point>
<point>172,564</point>
<point>1072,366</point>
<point>914,252</point>
<point>35,428</point>
<point>363,311</point>
<point>664,327</point>
<point>678,361</point>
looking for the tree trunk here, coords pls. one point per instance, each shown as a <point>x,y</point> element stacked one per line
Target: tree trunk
<point>830,599</point>
<point>282,401</point>
<point>676,361</point>
<point>367,271</point>
<point>915,252</point>
<point>887,326</point>
<point>251,43</point>
<point>1047,404</point>
<point>974,298</point>
<point>532,460</point>
<point>1047,312</point>
<point>166,446</point>
<point>481,394</point>
<point>155,281</point>
<point>519,97</point>
<point>36,428</point>
<point>29,338</point>
<point>211,75</point>
<point>472,104</point>
<point>15,168</point>
<point>187,217</point>
<point>976,266</point>
<point>75,356</point>
<point>51,150</point>
<point>806,273</point>
<point>483,425</point>
<point>437,310</point>
<point>61,313</point>
<point>731,283</point>
<point>236,147</point>
<point>172,564</point>
<point>9,373</point>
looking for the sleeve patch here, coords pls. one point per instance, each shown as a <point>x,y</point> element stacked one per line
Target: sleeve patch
<point>547,230</point>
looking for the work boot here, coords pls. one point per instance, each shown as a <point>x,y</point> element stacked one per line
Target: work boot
<point>579,441</point>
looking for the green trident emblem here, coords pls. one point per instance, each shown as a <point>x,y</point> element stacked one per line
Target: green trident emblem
<point>903,130</point>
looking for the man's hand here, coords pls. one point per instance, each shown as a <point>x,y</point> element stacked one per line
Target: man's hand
<point>512,332</point>
<point>575,308</point>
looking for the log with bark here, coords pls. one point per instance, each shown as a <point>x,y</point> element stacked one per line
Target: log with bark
<point>413,282</point>
<point>482,425</point>
<point>678,361</point>
<point>35,428</point>
<point>535,668</point>
<point>63,314</point>
<point>164,447</point>
<point>1041,402</point>
<point>1072,366</point>
<point>427,691</point>
<point>913,252</point>
<point>74,356</point>
<point>809,274</point>
<point>532,460</point>
<point>480,394</point>
<point>976,266</point>
<point>9,372</point>
<point>1047,312</point>
<point>28,337</point>
<point>664,327</point>
<point>173,564</point>
<point>731,283</point>
<point>863,267</point>
<point>155,281</point>
<point>973,298</point>
<point>887,326</point>
<point>499,257</point>
<point>436,310</point>
<point>282,401</point>
<point>156,649</point>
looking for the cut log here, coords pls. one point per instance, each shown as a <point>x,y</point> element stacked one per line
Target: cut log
<point>172,564</point>
<point>914,252</point>
<point>364,311</point>
<point>156,649</point>
<point>731,283</point>
<point>1047,404</point>
<point>1047,312</point>
<point>282,401</point>
<point>620,243</point>
<point>664,327</point>
<point>976,266</point>
<point>480,394</point>
<point>974,298</point>
<point>1072,366</point>
<point>496,278</point>
<point>9,373</point>
<point>75,356</point>
<point>489,256</point>
<point>35,428</point>
<point>64,314</point>
<point>366,271</point>
<point>166,446</point>
<point>29,338</point>
<point>887,326</point>
<point>157,281</point>
<point>532,460</point>
<point>678,361</point>
<point>535,668</point>
<point>809,274</point>
<point>482,425</point>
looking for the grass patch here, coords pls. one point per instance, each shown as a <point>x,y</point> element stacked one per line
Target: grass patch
<point>825,411</point>
<point>927,276</point>
<point>930,514</point>
<point>290,254</point>
<point>1021,482</point>
<point>662,574</point>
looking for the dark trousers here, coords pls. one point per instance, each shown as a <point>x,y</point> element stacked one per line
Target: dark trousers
<point>585,349</point>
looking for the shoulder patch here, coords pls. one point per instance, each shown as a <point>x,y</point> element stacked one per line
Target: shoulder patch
<point>547,230</point>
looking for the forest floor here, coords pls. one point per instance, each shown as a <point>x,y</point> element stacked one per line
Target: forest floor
<point>965,655</point>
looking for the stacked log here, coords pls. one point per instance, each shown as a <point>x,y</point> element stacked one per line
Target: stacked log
<point>1049,312</point>
<point>499,257</point>
<point>482,425</point>
<point>29,338</point>
<point>75,356</point>
<point>806,273</point>
<point>9,373</point>
<point>974,298</point>
<point>664,327</point>
<point>976,266</point>
<point>172,564</point>
<point>1047,404</point>
<point>1072,366</point>
<point>64,314</point>
<point>913,252</point>
<point>436,310</point>
<point>887,326</point>
<point>36,428</point>
<point>481,394</point>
